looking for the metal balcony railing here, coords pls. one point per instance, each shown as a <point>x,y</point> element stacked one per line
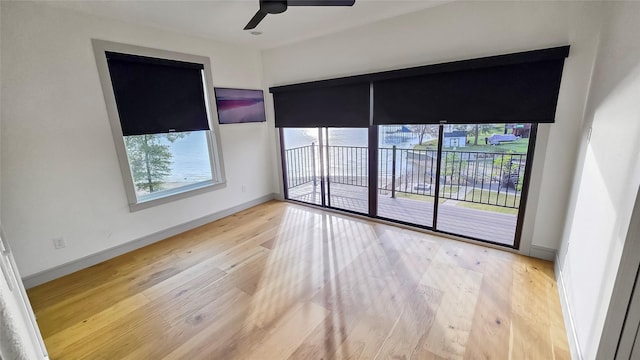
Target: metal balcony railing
<point>477,177</point>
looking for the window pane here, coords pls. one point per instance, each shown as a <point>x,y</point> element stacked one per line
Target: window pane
<point>481,179</point>
<point>302,159</point>
<point>348,169</point>
<point>165,162</point>
<point>407,162</point>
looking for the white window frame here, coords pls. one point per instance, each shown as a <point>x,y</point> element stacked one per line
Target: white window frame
<point>213,135</point>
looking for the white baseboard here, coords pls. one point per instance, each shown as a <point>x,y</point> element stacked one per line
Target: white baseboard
<point>542,252</point>
<point>567,314</point>
<point>93,259</point>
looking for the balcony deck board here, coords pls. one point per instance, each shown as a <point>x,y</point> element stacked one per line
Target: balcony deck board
<point>479,224</point>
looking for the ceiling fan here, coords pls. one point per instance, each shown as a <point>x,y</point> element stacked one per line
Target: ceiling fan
<point>280,6</point>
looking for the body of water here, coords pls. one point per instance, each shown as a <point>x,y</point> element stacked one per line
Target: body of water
<point>190,162</point>
<point>388,137</point>
<point>344,162</point>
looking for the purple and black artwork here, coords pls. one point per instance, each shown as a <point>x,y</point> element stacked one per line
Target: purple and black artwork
<point>239,105</point>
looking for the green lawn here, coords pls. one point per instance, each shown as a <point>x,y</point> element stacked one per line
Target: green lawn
<point>447,190</point>
<point>491,197</point>
<point>517,147</point>
<point>424,198</point>
<point>427,145</point>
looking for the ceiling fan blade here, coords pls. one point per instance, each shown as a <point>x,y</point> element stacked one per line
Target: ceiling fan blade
<point>321,2</point>
<point>255,20</point>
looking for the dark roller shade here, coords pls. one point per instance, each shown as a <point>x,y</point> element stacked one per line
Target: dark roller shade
<point>332,106</point>
<point>156,95</point>
<point>525,92</point>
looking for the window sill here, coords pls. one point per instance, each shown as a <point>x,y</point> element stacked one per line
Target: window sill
<point>170,195</point>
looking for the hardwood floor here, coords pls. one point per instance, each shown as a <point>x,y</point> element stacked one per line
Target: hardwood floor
<point>283,281</point>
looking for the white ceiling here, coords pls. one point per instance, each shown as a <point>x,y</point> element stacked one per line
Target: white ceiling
<point>224,19</point>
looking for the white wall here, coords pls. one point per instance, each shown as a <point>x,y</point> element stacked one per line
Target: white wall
<point>464,30</point>
<point>607,180</point>
<point>59,165</point>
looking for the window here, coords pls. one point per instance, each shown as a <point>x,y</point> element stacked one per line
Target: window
<point>159,109</point>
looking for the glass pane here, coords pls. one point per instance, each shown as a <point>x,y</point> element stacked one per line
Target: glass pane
<point>407,160</point>
<point>348,169</point>
<point>164,163</point>
<point>481,178</point>
<point>302,162</point>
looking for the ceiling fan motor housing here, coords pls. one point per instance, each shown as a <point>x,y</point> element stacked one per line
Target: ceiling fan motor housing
<point>273,6</point>
<point>280,6</point>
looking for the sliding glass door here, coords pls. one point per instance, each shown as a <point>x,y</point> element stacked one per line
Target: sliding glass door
<point>482,178</point>
<point>301,160</point>
<point>467,180</point>
<point>347,169</point>
<point>407,164</point>
<point>327,167</point>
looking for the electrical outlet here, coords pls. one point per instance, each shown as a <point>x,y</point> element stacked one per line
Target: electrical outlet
<point>59,243</point>
<point>244,187</point>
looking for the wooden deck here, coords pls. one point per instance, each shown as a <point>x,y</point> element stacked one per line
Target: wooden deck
<point>479,224</point>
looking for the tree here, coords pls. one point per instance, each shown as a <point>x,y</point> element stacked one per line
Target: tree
<point>422,130</point>
<point>150,159</point>
<point>477,132</point>
<point>484,128</point>
<point>509,167</point>
<point>453,165</point>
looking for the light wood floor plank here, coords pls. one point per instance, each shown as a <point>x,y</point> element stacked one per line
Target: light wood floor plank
<point>530,318</point>
<point>286,335</point>
<point>229,307</point>
<point>283,281</point>
<point>414,323</point>
<point>460,287</point>
<point>490,331</point>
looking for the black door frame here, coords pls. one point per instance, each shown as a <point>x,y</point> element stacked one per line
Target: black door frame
<point>436,195</point>
<point>323,200</point>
